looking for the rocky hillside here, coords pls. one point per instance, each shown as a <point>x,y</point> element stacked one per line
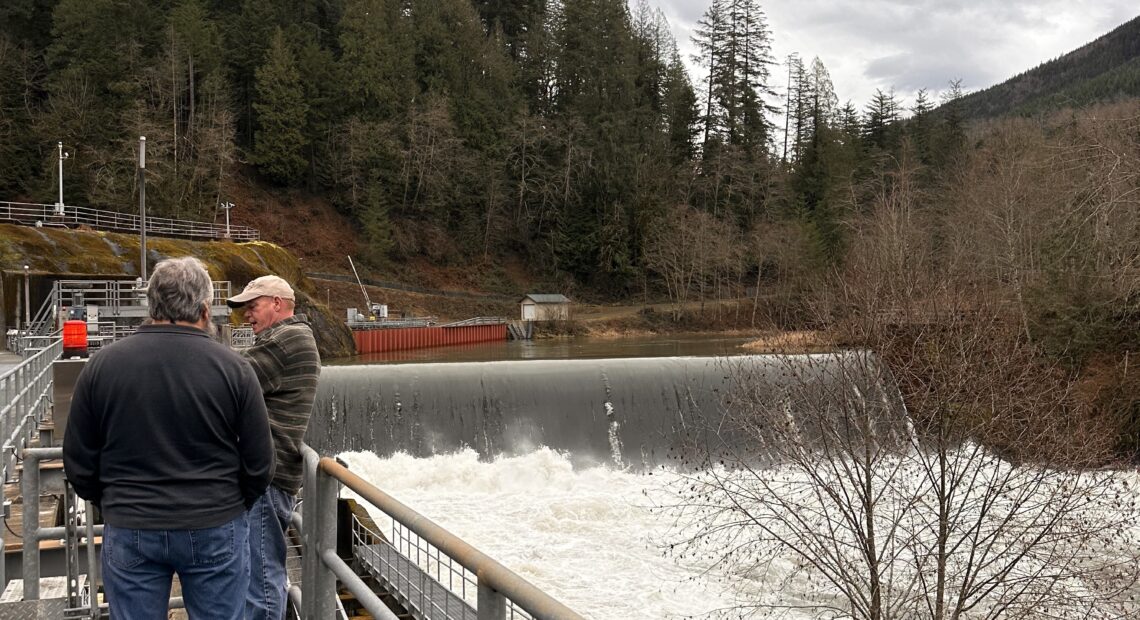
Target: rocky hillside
<point>50,252</point>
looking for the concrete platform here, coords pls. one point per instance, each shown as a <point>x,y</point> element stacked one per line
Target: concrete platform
<point>8,361</point>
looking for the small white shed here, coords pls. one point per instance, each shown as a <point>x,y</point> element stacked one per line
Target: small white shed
<point>545,307</point>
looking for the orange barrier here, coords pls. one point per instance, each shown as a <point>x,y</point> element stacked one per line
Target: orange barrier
<point>404,338</point>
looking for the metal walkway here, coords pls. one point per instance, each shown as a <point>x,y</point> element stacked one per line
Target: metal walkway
<point>420,593</point>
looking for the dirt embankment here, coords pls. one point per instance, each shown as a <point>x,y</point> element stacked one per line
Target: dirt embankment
<point>322,239</point>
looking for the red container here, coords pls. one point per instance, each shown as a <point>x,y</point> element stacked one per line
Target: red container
<point>402,339</point>
<point>74,338</point>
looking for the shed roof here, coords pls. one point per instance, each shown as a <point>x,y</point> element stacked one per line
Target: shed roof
<point>546,298</point>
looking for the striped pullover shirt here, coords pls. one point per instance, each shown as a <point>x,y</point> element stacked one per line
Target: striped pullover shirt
<point>287,365</point>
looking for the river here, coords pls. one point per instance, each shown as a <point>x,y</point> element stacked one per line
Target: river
<point>596,536</point>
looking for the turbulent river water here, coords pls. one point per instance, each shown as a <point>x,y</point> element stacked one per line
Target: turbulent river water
<point>496,453</point>
<point>588,537</point>
<point>595,538</point>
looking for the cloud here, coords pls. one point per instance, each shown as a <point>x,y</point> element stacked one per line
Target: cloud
<point>911,44</point>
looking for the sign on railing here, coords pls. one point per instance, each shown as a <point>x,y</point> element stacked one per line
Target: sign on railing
<point>32,214</point>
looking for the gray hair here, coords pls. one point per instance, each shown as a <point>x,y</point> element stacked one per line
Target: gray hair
<point>178,288</point>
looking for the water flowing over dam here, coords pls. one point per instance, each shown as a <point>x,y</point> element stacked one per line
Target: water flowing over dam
<point>622,412</point>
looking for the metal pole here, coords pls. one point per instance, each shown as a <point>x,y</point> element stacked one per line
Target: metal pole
<point>92,564</point>
<point>325,581</point>
<point>490,605</point>
<point>229,205</point>
<point>59,204</point>
<point>30,488</point>
<point>19,323</point>
<point>309,554</point>
<point>142,207</point>
<point>27,298</point>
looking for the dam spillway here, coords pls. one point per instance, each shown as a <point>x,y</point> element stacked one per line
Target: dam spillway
<point>633,412</point>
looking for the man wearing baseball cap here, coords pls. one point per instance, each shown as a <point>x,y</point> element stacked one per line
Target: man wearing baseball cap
<point>285,359</point>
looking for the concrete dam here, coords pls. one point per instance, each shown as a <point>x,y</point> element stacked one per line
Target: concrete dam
<point>630,413</point>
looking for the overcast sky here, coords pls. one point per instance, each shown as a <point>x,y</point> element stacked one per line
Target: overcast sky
<point>913,44</point>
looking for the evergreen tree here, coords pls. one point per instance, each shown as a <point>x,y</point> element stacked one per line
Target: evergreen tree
<point>320,81</point>
<point>19,153</point>
<point>735,45</point>
<point>248,35</point>
<point>950,135</point>
<point>793,108</point>
<point>279,143</point>
<point>516,20</point>
<point>919,129</point>
<point>709,38</point>
<point>880,127</point>
<point>376,62</point>
<point>822,168</point>
<point>680,111</point>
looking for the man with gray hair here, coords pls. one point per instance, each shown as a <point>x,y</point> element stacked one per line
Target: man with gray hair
<point>168,435</point>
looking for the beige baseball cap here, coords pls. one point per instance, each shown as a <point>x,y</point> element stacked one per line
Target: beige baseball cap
<point>265,286</point>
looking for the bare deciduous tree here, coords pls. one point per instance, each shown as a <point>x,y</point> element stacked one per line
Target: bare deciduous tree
<point>984,496</point>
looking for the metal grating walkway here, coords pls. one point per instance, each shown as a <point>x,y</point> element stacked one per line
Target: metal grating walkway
<point>421,594</point>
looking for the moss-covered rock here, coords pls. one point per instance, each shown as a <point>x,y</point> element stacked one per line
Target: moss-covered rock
<point>59,252</point>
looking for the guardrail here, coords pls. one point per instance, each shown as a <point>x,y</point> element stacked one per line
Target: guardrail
<point>22,343</point>
<point>479,320</point>
<point>33,534</point>
<point>425,321</point>
<point>113,295</point>
<point>26,392</point>
<point>430,571</point>
<point>499,591</point>
<point>32,214</point>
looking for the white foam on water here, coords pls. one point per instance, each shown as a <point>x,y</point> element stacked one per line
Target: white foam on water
<point>586,537</point>
<point>589,537</point>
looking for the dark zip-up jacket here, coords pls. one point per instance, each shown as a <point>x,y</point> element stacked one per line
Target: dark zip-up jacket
<point>168,430</point>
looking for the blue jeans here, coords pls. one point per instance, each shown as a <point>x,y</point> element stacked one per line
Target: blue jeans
<point>212,565</point>
<point>269,518</point>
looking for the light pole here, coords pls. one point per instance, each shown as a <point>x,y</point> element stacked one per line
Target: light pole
<point>62,156</point>
<point>142,207</point>
<point>227,206</point>
<point>27,299</point>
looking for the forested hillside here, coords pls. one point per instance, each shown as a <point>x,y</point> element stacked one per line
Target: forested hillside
<point>1106,70</point>
<point>567,136</point>
<point>565,133</point>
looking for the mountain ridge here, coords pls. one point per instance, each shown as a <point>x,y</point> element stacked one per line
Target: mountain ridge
<point>1104,70</point>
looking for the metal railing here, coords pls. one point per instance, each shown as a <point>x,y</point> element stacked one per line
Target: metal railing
<point>429,571</point>
<point>22,343</point>
<point>33,534</point>
<point>32,214</point>
<point>479,320</point>
<point>124,300</point>
<point>499,591</point>
<point>26,391</point>
<point>114,295</point>
<point>426,321</point>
